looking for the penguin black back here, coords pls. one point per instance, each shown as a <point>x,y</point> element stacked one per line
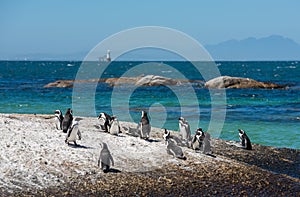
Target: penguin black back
<point>245,140</point>
<point>67,121</point>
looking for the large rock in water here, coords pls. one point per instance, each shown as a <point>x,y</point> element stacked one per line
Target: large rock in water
<point>238,82</point>
<point>153,80</point>
<point>148,80</point>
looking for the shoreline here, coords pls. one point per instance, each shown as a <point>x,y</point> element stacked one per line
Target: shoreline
<point>36,161</point>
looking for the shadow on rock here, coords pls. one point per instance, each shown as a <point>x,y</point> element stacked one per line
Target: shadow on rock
<point>79,146</point>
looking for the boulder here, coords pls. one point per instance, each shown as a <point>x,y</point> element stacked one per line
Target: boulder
<point>153,80</point>
<point>239,82</point>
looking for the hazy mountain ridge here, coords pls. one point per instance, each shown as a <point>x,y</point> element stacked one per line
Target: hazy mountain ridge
<point>274,47</point>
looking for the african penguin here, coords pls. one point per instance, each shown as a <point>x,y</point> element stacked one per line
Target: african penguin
<point>144,126</point>
<point>245,141</point>
<point>73,133</point>
<point>59,119</point>
<point>114,126</point>
<point>172,147</point>
<point>104,119</point>
<point>197,140</point>
<point>67,121</point>
<point>206,144</point>
<point>184,129</point>
<point>105,158</point>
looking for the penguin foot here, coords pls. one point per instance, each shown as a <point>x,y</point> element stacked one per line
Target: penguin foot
<point>182,157</point>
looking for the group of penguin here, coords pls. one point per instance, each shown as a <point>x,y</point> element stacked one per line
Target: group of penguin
<point>68,125</point>
<point>200,142</point>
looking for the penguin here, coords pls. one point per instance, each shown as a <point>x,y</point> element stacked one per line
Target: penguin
<point>206,144</point>
<point>67,121</point>
<point>104,119</point>
<point>105,158</point>
<point>196,143</point>
<point>59,119</point>
<point>184,129</point>
<point>172,147</point>
<point>144,126</point>
<point>114,126</point>
<point>73,133</point>
<point>245,141</point>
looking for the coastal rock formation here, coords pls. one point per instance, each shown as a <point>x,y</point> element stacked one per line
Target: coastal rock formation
<point>154,80</point>
<point>60,84</point>
<point>148,80</point>
<point>49,167</point>
<point>239,82</point>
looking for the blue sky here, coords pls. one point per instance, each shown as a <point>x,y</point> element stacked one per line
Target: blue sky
<point>70,26</point>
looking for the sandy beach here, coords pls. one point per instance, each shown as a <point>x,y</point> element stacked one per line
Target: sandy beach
<point>35,160</point>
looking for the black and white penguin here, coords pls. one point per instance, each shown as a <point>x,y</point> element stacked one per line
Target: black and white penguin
<point>73,133</point>
<point>105,158</point>
<point>105,120</point>
<point>114,126</point>
<point>67,121</point>
<point>184,129</point>
<point>144,126</point>
<point>59,119</point>
<point>197,141</point>
<point>172,147</point>
<point>245,141</point>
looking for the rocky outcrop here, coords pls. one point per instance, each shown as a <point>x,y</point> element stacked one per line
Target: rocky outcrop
<point>238,82</point>
<point>60,84</point>
<point>154,80</point>
<point>148,80</point>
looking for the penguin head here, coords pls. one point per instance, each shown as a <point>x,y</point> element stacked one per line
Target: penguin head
<point>166,135</point>
<point>103,145</point>
<point>57,112</point>
<point>181,118</point>
<point>69,111</point>
<point>241,131</point>
<point>199,134</point>
<point>101,115</point>
<point>144,114</point>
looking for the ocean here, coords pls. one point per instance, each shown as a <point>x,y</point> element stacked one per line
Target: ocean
<point>269,116</point>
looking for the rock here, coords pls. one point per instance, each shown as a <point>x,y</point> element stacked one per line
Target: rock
<point>152,80</point>
<point>121,80</point>
<point>238,82</point>
<point>148,80</point>
<point>60,84</point>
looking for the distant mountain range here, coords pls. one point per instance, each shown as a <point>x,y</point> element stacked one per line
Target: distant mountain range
<point>269,48</point>
<point>272,48</point>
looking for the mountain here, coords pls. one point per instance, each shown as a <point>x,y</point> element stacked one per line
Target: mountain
<point>274,47</point>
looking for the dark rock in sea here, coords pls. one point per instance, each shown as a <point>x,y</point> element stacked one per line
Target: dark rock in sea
<point>239,82</point>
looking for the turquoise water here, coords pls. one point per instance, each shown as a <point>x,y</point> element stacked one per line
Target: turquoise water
<point>270,117</point>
